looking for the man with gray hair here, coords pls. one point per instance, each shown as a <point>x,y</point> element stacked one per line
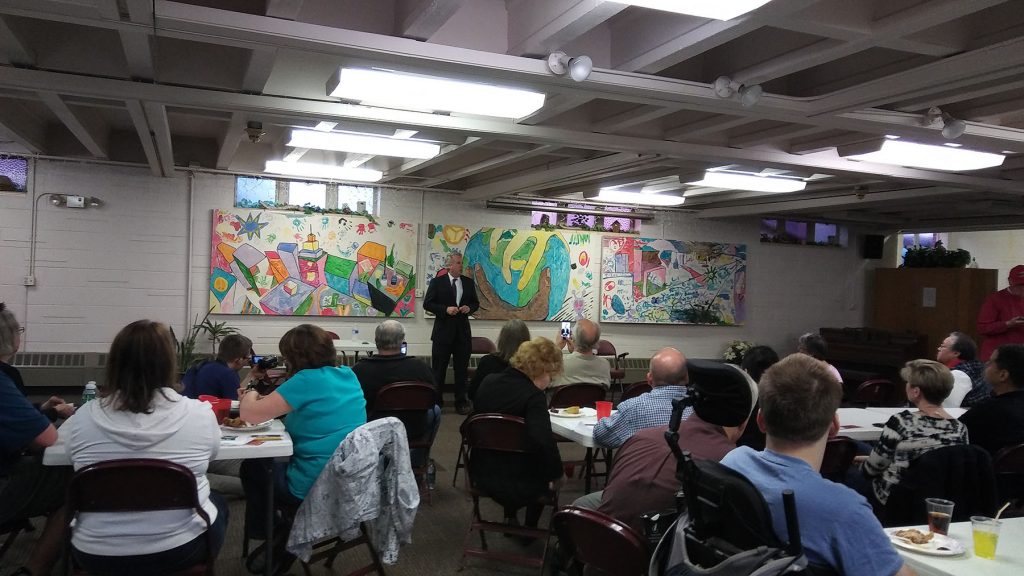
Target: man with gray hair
<point>390,365</point>
<point>668,378</point>
<point>582,365</point>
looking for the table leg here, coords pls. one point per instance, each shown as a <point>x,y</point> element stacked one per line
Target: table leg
<point>588,468</point>
<point>268,567</point>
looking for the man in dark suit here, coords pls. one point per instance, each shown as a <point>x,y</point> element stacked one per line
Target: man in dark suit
<point>452,298</point>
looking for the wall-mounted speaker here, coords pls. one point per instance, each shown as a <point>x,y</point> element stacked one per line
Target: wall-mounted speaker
<point>873,244</point>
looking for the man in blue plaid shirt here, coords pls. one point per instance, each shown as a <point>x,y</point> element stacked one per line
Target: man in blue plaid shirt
<point>668,377</point>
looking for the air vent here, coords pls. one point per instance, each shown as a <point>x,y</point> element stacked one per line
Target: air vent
<point>60,360</point>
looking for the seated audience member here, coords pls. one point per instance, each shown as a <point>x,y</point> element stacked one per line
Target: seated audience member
<point>908,435</point>
<point>219,377</point>
<point>643,478</point>
<point>27,488</point>
<point>582,365</point>
<point>815,346</point>
<point>55,408</point>
<point>999,421</point>
<point>518,480</point>
<point>960,354</point>
<point>754,363</point>
<point>323,402</point>
<point>513,333</point>
<point>389,365</point>
<point>799,397</point>
<point>668,378</point>
<point>138,414</point>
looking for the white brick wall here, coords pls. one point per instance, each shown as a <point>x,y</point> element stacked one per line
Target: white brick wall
<point>97,270</point>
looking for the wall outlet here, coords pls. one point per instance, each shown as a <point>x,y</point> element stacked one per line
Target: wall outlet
<point>419,292</point>
<point>29,281</point>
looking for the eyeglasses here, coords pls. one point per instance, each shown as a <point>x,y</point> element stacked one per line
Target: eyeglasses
<point>21,329</point>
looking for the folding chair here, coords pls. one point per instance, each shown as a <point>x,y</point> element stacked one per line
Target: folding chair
<point>839,454</point>
<point>1008,466</point>
<point>598,541</point>
<point>411,400</point>
<point>618,361</point>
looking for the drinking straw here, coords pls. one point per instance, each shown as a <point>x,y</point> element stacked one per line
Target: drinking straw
<point>1005,506</point>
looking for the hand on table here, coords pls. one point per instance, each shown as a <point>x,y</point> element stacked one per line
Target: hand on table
<point>59,407</point>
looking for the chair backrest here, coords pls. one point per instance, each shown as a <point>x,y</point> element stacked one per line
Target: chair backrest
<point>582,395</point>
<point>482,345</point>
<point>333,335</point>
<point>133,485</point>
<point>635,389</point>
<point>877,392</point>
<point>839,454</point>
<point>401,396</point>
<point>605,348</point>
<point>499,432</point>
<point>961,473</point>
<point>1008,466</point>
<point>599,541</point>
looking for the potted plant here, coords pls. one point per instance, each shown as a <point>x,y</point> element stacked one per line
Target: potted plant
<point>735,350</point>
<point>937,257</point>
<point>186,348</point>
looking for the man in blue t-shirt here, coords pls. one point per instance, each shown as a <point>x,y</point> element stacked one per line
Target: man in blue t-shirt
<point>219,377</point>
<point>799,397</point>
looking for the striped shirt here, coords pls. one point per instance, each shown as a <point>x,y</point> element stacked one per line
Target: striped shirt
<point>647,410</point>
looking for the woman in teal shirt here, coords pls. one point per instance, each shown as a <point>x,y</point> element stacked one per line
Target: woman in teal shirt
<point>322,402</point>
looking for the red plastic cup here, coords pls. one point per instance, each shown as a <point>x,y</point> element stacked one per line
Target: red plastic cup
<point>604,409</point>
<point>222,409</point>
<point>208,398</point>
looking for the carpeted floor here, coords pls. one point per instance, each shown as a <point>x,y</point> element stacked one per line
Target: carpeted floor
<point>440,527</point>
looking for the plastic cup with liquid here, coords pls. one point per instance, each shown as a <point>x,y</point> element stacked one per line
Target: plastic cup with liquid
<point>986,536</point>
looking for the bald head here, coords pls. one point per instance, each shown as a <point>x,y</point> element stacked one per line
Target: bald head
<point>586,336</point>
<point>668,368</point>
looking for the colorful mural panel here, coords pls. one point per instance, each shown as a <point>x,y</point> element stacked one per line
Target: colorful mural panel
<point>288,264</point>
<point>443,239</point>
<point>532,274</point>
<point>648,280</point>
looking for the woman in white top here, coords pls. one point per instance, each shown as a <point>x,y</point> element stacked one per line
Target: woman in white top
<point>138,414</point>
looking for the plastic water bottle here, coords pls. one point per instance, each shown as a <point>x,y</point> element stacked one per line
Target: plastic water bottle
<point>431,475</point>
<point>90,392</point>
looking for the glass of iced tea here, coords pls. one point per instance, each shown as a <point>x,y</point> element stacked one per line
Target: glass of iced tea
<point>986,536</point>
<point>940,512</point>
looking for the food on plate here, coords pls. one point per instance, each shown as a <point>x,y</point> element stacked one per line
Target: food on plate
<point>235,423</point>
<point>572,410</point>
<point>914,535</point>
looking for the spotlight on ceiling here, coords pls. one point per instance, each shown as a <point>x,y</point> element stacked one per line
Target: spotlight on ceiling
<point>726,87</point>
<point>952,128</point>
<point>578,67</point>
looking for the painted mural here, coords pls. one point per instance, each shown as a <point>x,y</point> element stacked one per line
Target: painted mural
<point>290,264</point>
<point>648,280</point>
<point>443,239</point>
<point>532,274</point>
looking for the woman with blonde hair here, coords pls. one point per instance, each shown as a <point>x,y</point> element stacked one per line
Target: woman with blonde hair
<point>908,435</point>
<point>518,480</point>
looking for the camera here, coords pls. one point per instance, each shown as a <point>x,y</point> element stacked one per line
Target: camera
<point>405,348</point>
<point>265,362</point>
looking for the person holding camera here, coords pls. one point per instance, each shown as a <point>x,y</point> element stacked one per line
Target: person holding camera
<point>219,377</point>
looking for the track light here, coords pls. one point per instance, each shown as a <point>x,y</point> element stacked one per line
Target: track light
<point>952,128</point>
<point>73,201</point>
<point>578,67</point>
<point>726,87</point>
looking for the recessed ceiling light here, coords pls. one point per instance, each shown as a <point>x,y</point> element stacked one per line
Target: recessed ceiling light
<point>715,9</point>
<point>363,144</point>
<point>323,171</point>
<point>625,197</point>
<point>390,89</point>
<point>752,182</point>
<point>916,155</point>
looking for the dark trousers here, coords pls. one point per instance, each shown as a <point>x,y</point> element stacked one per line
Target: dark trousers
<point>253,474</point>
<point>166,562</point>
<point>458,349</point>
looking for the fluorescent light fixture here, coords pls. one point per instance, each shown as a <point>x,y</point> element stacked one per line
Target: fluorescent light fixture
<point>916,155</point>
<point>323,171</point>
<point>363,144</point>
<point>752,182</point>
<point>715,9</point>
<point>390,89</point>
<point>325,126</point>
<point>624,197</point>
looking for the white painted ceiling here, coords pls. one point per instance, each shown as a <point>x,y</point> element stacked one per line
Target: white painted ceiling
<point>116,80</point>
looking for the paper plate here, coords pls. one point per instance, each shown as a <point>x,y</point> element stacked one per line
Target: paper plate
<point>939,545</point>
<point>561,413</point>
<point>250,428</point>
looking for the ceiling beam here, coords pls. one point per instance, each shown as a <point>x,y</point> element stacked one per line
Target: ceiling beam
<point>284,9</point>
<point>658,40</point>
<point>773,135</point>
<point>12,49</point>
<point>705,127</point>
<point>138,116</point>
<point>138,52</point>
<point>88,129</point>
<point>489,164</point>
<point>536,27</point>
<point>634,117</point>
<point>555,106</point>
<point>21,127</point>
<point>851,201</point>
<point>140,11</point>
<point>423,18</point>
<point>156,116</point>
<point>447,152</point>
<point>480,127</point>
<point>258,70</point>
<point>812,145</point>
<point>549,177</point>
<point>961,95</point>
<point>229,140</point>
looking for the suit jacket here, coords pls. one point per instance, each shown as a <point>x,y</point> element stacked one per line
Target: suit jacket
<point>439,297</point>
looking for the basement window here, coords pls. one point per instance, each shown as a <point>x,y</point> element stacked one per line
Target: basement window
<point>254,192</point>
<point>561,216</point>
<point>800,232</point>
<point>13,174</point>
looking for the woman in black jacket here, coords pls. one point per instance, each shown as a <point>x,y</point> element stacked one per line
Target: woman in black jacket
<point>518,480</point>
<point>512,334</point>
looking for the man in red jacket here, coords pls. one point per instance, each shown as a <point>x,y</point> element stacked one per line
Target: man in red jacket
<point>1001,318</point>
